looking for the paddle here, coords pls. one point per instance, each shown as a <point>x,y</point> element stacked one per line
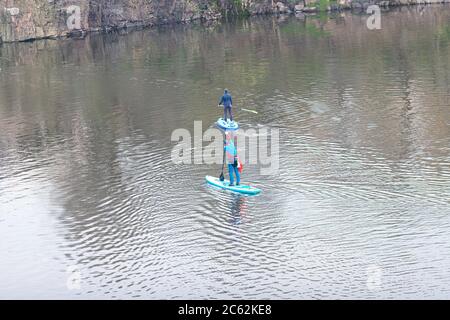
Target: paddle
<point>252,111</point>
<point>222,178</point>
<point>243,109</point>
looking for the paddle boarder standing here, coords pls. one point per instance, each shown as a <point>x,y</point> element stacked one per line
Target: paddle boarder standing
<point>232,160</point>
<point>227,102</point>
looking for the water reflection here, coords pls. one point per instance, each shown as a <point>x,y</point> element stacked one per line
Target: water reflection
<point>238,209</point>
<point>86,177</point>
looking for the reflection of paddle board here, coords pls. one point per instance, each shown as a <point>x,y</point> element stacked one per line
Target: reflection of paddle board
<point>227,125</point>
<point>226,185</point>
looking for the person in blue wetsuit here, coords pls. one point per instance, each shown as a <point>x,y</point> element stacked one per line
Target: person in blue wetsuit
<point>227,102</point>
<point>231,157</point>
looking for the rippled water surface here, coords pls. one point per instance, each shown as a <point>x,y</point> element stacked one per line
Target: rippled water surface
<point>360,207</point>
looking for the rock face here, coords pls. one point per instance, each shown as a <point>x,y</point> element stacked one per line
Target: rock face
<point>282,8</point>
<point>299,7</point>
<point>30,19</point>
<point>22,20</point>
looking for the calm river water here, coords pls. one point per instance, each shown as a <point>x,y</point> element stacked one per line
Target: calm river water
<point>91,205</point>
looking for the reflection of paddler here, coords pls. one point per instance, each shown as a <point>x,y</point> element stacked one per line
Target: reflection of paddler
<point>238,208</point>
<point>234,166</point>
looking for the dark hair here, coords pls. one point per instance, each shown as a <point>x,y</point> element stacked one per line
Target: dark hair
<point>226,90</point>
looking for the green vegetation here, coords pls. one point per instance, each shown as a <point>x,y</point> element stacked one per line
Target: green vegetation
<point>240,8</point>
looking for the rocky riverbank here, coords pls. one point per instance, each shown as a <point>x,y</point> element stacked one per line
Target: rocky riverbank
<point>309,6</point>
<point>22,20</point>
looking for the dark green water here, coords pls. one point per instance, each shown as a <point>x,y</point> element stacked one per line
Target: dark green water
<point>360,207</point>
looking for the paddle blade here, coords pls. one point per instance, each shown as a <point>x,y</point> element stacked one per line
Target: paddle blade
<point>252,111</point>
<point>221,178</point>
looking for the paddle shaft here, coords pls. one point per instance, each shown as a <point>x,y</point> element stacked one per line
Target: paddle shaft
<point>248,110</point>
<point>243,109</point>
<point>221,178</point>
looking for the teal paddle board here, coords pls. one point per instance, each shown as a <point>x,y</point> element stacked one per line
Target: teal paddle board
<point>227,125</point>
<point>226,185</point>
